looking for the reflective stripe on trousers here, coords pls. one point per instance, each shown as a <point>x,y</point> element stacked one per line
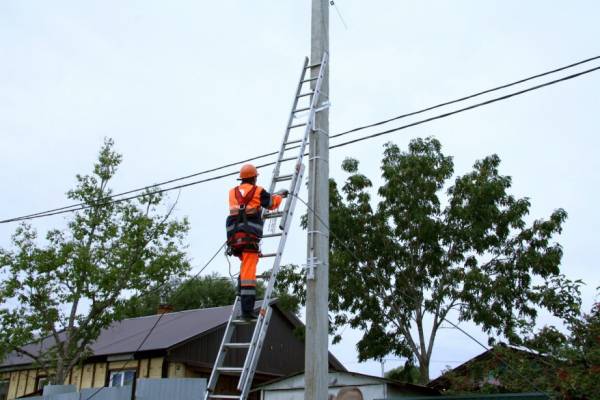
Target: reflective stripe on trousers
<point>248,269</point>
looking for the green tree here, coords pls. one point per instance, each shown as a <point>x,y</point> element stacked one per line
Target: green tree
<point>200,292</point>
<point>430,247</point>
<point>407,373</point>
<point>66,289</point>
<point>565,365</point>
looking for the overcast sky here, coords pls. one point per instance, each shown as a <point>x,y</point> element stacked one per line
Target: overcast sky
<point>186,85</point>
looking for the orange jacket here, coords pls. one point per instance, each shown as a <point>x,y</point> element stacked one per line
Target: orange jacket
<point>258,200</point>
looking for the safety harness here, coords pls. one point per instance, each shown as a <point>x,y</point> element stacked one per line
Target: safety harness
<point>241,240</point>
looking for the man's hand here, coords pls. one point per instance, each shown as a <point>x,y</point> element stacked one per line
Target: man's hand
<point>283,193</point>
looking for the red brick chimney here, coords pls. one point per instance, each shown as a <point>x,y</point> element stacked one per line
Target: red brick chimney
<point>164,309</point>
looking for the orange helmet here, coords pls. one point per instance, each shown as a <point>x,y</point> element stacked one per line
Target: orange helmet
<point>248,171</point>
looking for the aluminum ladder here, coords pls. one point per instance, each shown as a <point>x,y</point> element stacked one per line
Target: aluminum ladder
<point>305,105</point>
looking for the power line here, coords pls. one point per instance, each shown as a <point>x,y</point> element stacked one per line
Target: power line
<point>446,103</point>
<point>471,107</point>
<point>334,4</point>
<point>504,86</point>
<point>82,206</point>
<point>149,186</point>
<point>334,136</point>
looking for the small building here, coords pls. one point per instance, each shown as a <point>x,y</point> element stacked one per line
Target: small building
<point>182,345</point>
<point>343,385</point>
<point>488,369</point>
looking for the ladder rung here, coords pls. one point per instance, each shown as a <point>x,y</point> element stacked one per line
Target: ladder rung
<point>230,369</point>
<point>310,79</point>
<point>304,95</point>
<point>313,66</point>
<point>283,178</point>
<point>223,396</point>
<point>301,109</point>
<point>293,142</point>
<point>272,235</point>
<point>237,345</point>
<point>268,255</point>
<point>243,321</point>
<point>263,276</point>
<point>297,125</point>
<point>272,215</point>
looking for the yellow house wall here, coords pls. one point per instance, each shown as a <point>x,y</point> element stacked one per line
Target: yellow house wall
<point>176,370</point>
<point>143,371</point>
<point>31,375</point>
<point>99,375</point>
<point>75,377</point>
<point>12,388</point>
<point>91,375</point>
<point>87,375</point>
<point>21,382</point>
<point>156,367</point>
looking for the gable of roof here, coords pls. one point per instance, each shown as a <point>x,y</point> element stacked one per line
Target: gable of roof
<point>441,382</point>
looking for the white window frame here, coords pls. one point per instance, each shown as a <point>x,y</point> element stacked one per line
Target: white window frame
<point>122,373</point>
<point>40,382</point>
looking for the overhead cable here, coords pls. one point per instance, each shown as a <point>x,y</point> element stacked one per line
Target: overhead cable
<point>332,137</point>
<point>149,187</point>
<point>471,107</point>
<point>81,206</point>
<point>446,103</point>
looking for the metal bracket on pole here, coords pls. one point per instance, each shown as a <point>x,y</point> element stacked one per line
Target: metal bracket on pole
<point>309,267</point>
<point>317,232</point>
<point>324,105</point>
<point>319,158</point>
<point>321,131</point>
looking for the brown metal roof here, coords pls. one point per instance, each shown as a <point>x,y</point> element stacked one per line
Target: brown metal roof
<point>127,335</point>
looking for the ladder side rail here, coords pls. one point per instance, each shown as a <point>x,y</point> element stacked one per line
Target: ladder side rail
<point>247,384</point>
<point>255,335</point>
<point>214,376</point>
<point>292,205</point>
<point>254,344</point>
<point>287,128</point>
<point>313,107</point>
<point>309,127</point>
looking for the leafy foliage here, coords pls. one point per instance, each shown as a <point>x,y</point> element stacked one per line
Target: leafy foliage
<point>407,373</point>
<point>413,257</point>
<point>198,292</point>
<point>563,365</point>
<point>201,292</point>
<point>63,291</point>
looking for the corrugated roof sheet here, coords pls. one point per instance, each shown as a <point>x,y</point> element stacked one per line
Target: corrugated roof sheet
<point>125,336</point>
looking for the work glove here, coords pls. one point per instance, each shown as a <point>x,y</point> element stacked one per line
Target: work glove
<point>283,193</point>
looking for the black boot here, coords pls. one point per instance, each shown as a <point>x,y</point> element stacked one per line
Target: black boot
<point>248,306</point>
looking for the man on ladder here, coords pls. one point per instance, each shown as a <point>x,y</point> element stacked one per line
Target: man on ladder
<point>245,229</point>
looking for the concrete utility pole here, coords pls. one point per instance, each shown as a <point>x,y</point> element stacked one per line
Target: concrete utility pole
<point>317,291</point>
